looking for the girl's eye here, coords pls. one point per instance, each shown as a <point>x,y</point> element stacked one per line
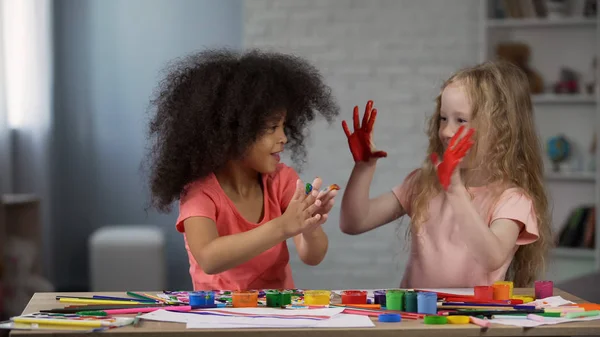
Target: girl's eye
<point>460,120</point>
<point>442,118</point>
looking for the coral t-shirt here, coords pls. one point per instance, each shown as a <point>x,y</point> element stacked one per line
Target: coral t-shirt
<point>439,258</point>
<point>270,269</point>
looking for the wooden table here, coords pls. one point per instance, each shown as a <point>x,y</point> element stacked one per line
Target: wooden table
<point>41,301</point>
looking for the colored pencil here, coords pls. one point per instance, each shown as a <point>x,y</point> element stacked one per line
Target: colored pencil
<point>75,309</point>
<point>474,300</point>
<point>374,313</point>
<point>141,297</point>
<point>360,306</point>
<point>95,301</point>
<point>524,306</point>
<point>489,313</point>
<point>97,297</point>
<point>137,310</point>
<point>124,299</point>
<point>49,321</point>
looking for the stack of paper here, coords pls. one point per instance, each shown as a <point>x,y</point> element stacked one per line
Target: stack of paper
<point>232,318</point>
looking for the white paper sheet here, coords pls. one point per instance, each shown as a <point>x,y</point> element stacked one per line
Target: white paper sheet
<point>256,317</point>
<point>337,321</point>
<point>550,302</point>
<point>528,323</point>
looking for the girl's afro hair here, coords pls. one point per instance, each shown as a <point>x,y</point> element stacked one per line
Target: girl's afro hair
<point>214,104</point>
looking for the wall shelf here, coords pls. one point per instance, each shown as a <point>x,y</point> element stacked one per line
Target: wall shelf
<point>574,253</point>
<point>571,176</point>
<point>556,44</point>
<point>563,99</point>
<point>546,23</point>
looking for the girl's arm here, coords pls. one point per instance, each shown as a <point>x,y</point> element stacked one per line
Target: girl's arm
<point>491,246</point>
<point>312,246</point>
<point>360,214</point>
<point>216,254</point>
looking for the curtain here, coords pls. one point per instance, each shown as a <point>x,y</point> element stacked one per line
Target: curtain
<point>26,78</point>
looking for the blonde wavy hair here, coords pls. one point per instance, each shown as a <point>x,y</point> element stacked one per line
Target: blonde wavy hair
<point>506,148</point>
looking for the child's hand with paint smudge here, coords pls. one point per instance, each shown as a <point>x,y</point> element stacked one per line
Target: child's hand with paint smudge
<point>361,141</point>
<point>327,198</point>
<point>301,213</point>
<point>447,171</point>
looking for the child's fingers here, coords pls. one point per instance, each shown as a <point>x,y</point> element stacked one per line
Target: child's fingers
<point>327,206</point>
<point>379,154</point>
<point>355,118</point>
<point>371,121</point>
<point>312,222</point>
<point>319,222</point>
<point>310,199</point>
<point>345,127</point>
<point>455,137</point>
<point>367,115</point>
<point>312,209</point>
<point>465,143</point>
<point>316,184</point>
<point>462,148</point>
<point>325,197</point>
<point>299,190</point>
<point>470,134</point>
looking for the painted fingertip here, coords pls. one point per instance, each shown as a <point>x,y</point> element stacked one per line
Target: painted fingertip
<point>308,188</point>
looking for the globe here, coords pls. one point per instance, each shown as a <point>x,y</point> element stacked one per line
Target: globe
<point>558,149</point>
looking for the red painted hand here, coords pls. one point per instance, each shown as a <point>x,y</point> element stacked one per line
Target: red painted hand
<point>361,141</point>
<point>452,156</point>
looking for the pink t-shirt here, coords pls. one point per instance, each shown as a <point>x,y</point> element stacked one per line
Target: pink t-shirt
<point>270,269</point>
<point>439,257</point>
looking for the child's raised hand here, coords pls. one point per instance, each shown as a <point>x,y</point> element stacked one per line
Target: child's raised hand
<point>301,213</point>
<point>361,141</point>
<point>446,170</point>
<point>326,196</point>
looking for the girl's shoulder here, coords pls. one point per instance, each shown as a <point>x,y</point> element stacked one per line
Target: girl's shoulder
<point>203,186</point>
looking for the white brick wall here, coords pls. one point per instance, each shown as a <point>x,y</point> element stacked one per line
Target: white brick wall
<point>395,52</point>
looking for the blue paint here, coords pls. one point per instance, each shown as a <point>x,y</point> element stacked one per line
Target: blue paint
<point>427,303</point>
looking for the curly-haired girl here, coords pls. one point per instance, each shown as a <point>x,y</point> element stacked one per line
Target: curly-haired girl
<point>222,120</point>
<point>478,216</point>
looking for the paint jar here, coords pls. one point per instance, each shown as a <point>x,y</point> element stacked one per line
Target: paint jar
<point>379,297</point>
<point>394,299</point>
<point>456,319</point>
<point>525,299</point>
<point>199,299</point>
<point>244,299</point>
<point>317,297</point>
<point>410,301</point>
<point>543,289</point>
<point>510,285</point>
<point>501,292</point>
<point>484,293</point>
<point>354,297</point>
<point>278,299</point>
<point>427,303</point>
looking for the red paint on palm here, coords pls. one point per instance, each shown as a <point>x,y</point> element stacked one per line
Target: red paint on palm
<point>361,141</point>
<point>452,156</point>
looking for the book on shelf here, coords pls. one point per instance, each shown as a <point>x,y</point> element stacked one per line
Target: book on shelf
<point>579,229</point>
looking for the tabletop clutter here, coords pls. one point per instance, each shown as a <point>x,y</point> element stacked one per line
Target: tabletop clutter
<point>481,306</point>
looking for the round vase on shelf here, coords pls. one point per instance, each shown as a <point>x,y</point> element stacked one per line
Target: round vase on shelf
<point>558,150</point>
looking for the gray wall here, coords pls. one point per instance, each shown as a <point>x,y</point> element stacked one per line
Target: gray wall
<point>108,57</point>
<point>395,52</point>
